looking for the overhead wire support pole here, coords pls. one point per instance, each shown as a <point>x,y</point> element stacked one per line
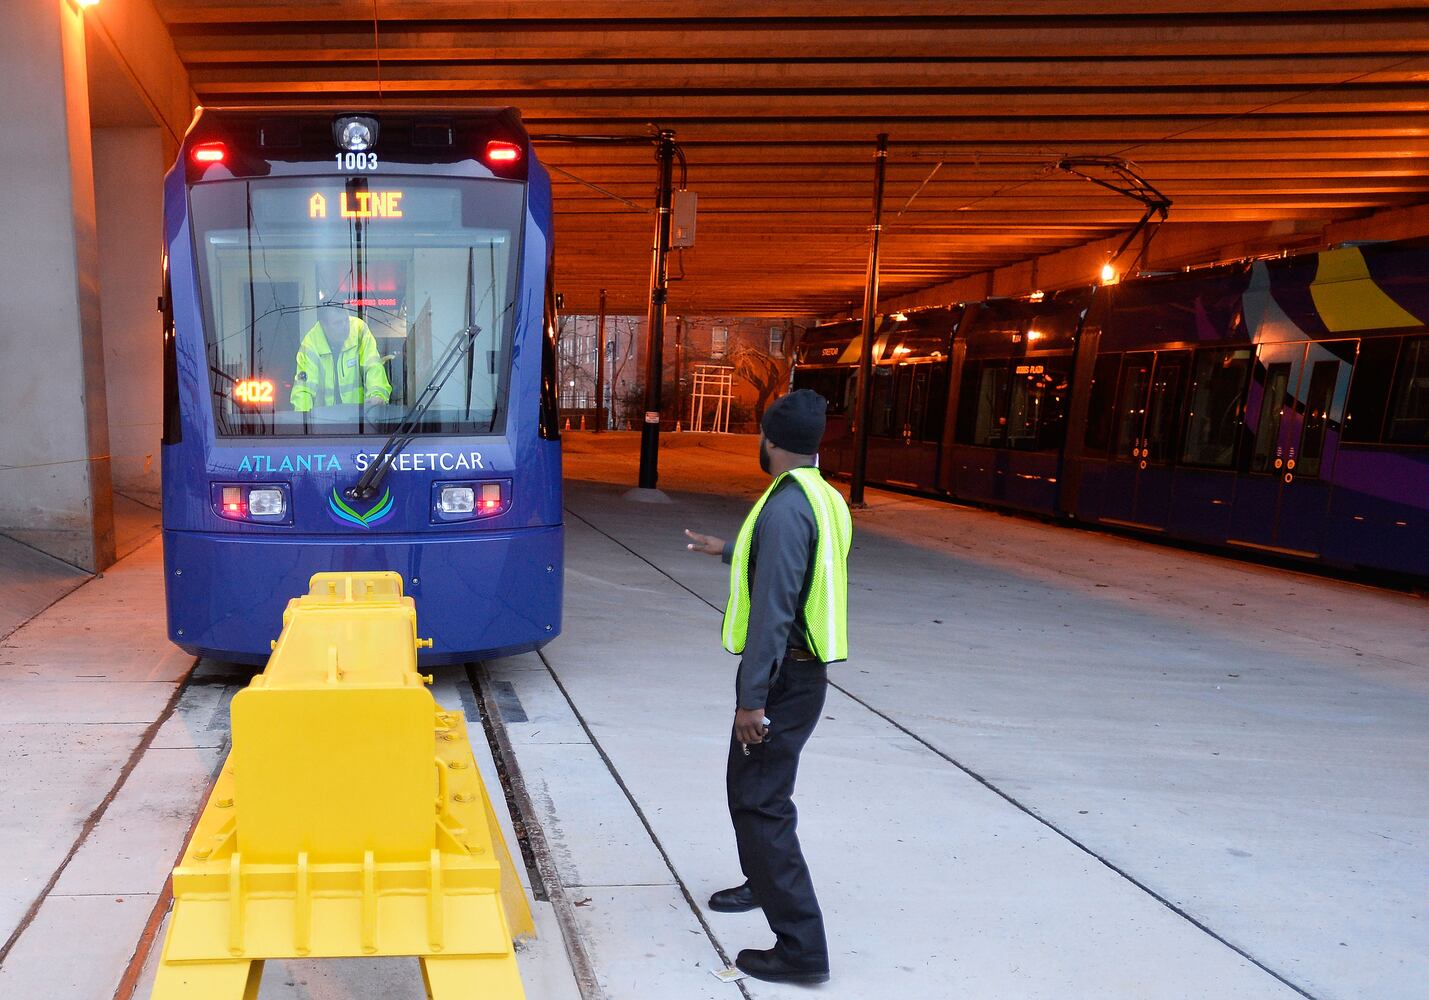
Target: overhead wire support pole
<point>601,412</point>
<point>870,307</point>
<point>655,318</point>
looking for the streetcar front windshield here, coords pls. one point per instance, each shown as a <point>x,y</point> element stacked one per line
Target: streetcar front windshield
<point>332,306</point>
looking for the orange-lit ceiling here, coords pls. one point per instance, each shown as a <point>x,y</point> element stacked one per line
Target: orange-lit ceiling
<point>1283,113</point>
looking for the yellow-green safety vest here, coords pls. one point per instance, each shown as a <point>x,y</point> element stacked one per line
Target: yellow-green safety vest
<point>359,369</point>
<point>826,609</point>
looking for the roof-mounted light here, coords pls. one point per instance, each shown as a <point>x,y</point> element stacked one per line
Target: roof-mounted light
<point>355,133</point>
<point>499,152</point>
<point>209,152</point>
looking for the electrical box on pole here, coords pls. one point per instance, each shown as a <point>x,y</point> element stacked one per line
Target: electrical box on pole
<point>682,225</point>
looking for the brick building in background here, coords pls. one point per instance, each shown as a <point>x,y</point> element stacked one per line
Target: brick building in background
<point>759,350</point>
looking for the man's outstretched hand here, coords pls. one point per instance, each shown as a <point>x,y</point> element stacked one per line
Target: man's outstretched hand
<point>708,544</point>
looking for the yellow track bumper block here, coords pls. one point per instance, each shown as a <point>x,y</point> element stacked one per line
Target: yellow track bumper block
<point>349,820</point>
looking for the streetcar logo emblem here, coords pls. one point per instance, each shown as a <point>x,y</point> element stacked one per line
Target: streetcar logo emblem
<point>344,514</point>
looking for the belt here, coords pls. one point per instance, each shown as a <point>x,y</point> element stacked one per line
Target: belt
<point>802,655</point>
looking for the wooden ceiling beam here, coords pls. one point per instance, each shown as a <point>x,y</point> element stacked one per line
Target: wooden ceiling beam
<point>715,184</point>
<point>988,137</point>
<point>330,41</point>
<point>635,180</point>
<point>219,12</point>
<point>923,74</point>
<point>783,106</point>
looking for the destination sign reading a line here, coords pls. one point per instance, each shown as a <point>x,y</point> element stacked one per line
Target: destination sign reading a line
<point>359,205</point>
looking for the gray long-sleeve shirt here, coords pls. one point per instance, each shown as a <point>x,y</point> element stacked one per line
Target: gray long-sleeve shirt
<point>781,568</point>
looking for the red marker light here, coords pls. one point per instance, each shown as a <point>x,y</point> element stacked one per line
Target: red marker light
<point>502,152</point>
<point>210,152</point>
<point>233,503</point>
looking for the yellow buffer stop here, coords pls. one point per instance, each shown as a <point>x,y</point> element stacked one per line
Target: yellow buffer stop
<point>349,820</point>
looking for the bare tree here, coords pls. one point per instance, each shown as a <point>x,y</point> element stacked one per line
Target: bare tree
<point>766,373</point>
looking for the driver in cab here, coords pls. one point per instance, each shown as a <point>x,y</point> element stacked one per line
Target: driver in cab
<point>338,360</point>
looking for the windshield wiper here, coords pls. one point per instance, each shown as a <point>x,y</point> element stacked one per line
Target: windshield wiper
<point>366,487</point>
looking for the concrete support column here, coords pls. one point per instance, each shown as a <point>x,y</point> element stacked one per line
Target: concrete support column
<point>129,188</point>
<point>54,436</point>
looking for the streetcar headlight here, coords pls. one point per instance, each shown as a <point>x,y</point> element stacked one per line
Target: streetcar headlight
<point>266,503</point>
<point>458,500</point>
<point>355,134</point>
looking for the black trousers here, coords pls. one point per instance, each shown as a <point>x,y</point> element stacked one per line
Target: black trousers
<point>761,788</point>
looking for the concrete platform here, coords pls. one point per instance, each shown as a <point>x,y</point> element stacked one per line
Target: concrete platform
<point>1058,764</point>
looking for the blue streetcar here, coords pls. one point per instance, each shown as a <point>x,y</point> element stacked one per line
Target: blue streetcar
<point>359,374</point>
<point>1279,406</point>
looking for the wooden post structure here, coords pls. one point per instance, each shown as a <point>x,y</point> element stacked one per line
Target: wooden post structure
<point>870,308</point>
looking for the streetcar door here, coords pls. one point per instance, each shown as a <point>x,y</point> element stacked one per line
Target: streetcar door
<point>1119,481</point>
<point>1274,386</point>
<point>1158,438</point>
<point>1136,488</point>
<point>920,449</point>
<point>1320,413</point>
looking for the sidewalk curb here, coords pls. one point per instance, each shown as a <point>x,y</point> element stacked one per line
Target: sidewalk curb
<point>536,848</point>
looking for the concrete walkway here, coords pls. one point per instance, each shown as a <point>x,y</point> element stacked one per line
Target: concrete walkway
<point>1059,763</point>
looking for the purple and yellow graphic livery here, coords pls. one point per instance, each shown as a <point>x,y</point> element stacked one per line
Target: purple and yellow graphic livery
<point>1277,406</point>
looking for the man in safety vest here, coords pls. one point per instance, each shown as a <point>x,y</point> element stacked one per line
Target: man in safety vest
<point>338,362</point>
<point>787,616</point>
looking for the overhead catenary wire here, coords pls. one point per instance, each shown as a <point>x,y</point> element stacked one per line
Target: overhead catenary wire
<point>377,49</point>
<point>652,138</point>
<point>596,187</point>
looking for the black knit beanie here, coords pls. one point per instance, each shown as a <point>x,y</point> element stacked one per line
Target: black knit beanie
<point>796,422</point>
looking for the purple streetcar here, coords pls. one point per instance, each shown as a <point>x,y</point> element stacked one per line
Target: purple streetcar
<point>1276,406</point>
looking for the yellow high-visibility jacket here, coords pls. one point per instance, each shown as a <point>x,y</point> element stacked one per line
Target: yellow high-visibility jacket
<point>357,373</point>
<point>826,608</point>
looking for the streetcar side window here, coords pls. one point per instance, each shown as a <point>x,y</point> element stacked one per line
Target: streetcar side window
<point>1369,389</point>
<point>1163,409</point>
<point>1213,420</point>
<point>1037,416</point>
<point>836,391</point>
<point>173,432</point>
<point>1319,399</point>
<point>906,399</point>
<point>1409,407</point>
<point>1131,404</point>
<point>982,407</point>
<point>881,409</point>
<point>1273,400</point>
<point>935,409</point>
<point>827,382</point>
<point>1099,405</point>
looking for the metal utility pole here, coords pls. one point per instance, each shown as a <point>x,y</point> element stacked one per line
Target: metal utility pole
<point>870,307</point>
<point>655,318</point>
<point>682,330</point>
<point>600,411</point>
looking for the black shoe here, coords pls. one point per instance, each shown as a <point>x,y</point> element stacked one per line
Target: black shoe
<point>740,899</point>
<point>768,966</point>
